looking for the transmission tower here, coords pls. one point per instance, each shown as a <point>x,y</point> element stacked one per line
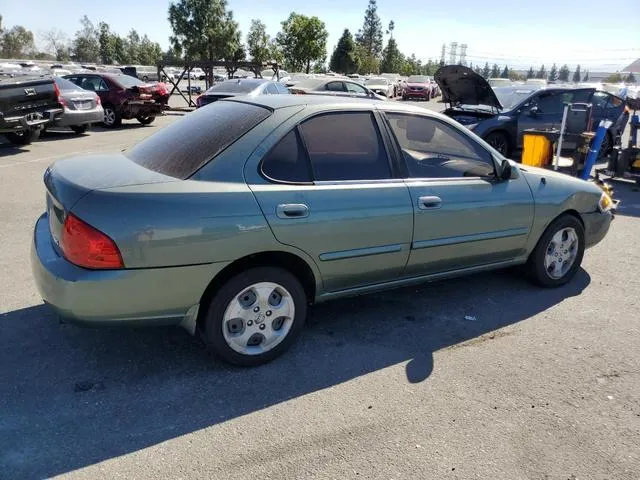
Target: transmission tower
<point>453,51</point>
<point>463,54</point>
<point>442,56</point>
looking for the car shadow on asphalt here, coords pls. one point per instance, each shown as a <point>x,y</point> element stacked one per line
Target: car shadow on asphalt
<point>71,397</point>
<point>8,149</point>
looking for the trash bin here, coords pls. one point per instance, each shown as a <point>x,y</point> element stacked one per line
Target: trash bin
<point>537,148</point>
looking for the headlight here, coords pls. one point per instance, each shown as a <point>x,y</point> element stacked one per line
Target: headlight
<point>605,203</point>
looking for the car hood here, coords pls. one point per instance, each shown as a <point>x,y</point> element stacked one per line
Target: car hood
<point>462,86</point>
<point>535,174</point>
<point>377,86</point>
<point>414,84</point>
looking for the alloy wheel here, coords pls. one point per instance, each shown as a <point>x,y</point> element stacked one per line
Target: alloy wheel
<point>561,253</point>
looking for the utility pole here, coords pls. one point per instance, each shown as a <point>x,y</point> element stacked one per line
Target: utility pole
<point>453,52</point>
<point>442,56</point>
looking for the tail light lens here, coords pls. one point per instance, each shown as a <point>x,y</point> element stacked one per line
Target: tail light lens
<point>87,247</point>
<point>56,89</point>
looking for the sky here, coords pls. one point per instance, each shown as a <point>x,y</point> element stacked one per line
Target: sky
<point>512,32</point>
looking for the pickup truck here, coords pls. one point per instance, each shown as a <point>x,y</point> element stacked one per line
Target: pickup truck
<point>27,104</point>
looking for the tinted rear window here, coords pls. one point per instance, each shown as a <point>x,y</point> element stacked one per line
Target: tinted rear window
<point>127,81</point>
<point>64,84</point>
<point>183,147</point>
<point>235,86</point>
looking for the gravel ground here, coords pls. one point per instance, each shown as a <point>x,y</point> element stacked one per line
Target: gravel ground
<point>543,384</point>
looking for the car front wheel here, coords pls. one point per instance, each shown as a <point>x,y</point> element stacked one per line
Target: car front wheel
<point>255,316</point>
<point>558,254</point>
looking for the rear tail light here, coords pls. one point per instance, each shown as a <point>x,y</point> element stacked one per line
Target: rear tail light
<point>145,96</point>
<point>199,101</point>
<point>87,247</point>
<point>57,92</point>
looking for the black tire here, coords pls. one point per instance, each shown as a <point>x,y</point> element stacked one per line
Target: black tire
<point>213,322</point>
<point>500,142</point>
<point>24,137</point>
<point>79,129</point>
<point>112,116</point>
<point>536,263</point>
<point>605,148</point>
<point>145,120</point>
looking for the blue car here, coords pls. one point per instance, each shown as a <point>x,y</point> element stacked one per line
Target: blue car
<point>500,115</point>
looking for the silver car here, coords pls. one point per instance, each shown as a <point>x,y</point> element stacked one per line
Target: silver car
<point>81,107</point>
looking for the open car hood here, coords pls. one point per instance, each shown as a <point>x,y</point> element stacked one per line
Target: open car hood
<point>462,86</point>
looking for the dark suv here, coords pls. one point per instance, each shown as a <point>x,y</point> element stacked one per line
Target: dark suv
<point>500,115</point>
<point>123,97</point>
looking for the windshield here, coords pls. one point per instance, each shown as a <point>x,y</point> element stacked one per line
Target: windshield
<point>418,79</point>
<point>511,97</point>
<point>376,81</point>
<point>183,147</point>
<point>235,86</point>
<point>127,81</point>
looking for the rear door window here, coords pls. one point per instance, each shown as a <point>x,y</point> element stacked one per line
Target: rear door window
<point>185,146</point>
<point>335,87</point>
<point>287,161</point>
<point>272,89</point>
<point>345,146</point>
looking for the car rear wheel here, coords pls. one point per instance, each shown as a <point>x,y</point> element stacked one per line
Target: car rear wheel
<point>79,128</point>
<point>558,254</point>
<point>499,141</point>
<point>112,117</point>
<point>145,120</point>
<point>255,316</point>
<point>23,137</point>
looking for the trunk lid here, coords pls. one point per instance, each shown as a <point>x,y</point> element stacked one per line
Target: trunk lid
<point>22,95</point>
<point>462,86</point>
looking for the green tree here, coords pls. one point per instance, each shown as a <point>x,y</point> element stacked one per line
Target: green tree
<point>171,57</point>
<point>275,52</point>
<point>303,40</point>
<point>531,73</point>
<point>344,58</point>
<point>613,78</point>
<point>505,72</point>
<point>132,45</point>
<point>577,75</point>
<point>370,35</point>
<point>391,58</point>
<point>563,73</point>
<point>204,29</point>
<point>542,73</point>
<point>258,42</point>
<point>631,78</point>
<point>553,73</point>
<point>17,42</point>
<point>586,76</point>
<point>106,44</point>
<point>485,70</point>
<point>149,53</point>
<point>121,53</point>
<point>495,71</point>
<point>86,47</point>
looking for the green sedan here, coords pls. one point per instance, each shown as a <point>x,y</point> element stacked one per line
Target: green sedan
<point>233,220</point>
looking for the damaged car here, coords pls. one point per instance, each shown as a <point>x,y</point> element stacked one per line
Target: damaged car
<point>501,115</point>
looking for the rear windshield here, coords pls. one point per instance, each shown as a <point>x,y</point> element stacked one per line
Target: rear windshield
<point>64,84</point>
<point>235,86</point>
<point>418,79</point>
<point>127,81</point>
<point>183,147</point>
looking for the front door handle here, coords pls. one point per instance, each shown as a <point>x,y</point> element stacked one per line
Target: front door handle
<point>429,203</point>
<point>292,210</point>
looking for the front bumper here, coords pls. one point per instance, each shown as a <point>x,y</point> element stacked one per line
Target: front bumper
<point>80,117</point>
<point>155,296</point>
<point>596,226</point>
<point>416,93</point>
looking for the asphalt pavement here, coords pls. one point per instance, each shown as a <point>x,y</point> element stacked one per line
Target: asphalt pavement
<point>484,377</point>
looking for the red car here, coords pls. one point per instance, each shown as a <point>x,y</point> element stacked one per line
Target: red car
<point>417,86</point>
<point>124,97</point>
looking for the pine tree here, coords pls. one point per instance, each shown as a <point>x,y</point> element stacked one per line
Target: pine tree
<point>531,73</point>
<point>586,76</point>
<point>542,73</point>
<point>495,71</point>
<point>563,73</point>
<point>577,75</point>
<point>369,37</point>
<point>391,58</point>
<point>505,72</point>
<point>553,73</point>
<point>486,71</point>
<point>631,78</point>
<point>344,58</point>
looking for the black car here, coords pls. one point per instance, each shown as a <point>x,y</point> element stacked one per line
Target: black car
<point>500,115</point>
<point>241,86</point>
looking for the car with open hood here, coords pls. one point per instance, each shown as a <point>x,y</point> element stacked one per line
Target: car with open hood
<point>501,115</point>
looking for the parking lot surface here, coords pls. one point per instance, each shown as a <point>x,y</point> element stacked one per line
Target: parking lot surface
<point>484,377</point>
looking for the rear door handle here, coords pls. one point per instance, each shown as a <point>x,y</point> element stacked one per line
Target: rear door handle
<point>292,210</point>
<point>429,203</point>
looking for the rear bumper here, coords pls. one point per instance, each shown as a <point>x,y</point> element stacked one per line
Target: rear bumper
<point>28,121</point>
<point>158,296</point>
<point>137,108</point>
<point>596,226</point>
<point>80,117</point>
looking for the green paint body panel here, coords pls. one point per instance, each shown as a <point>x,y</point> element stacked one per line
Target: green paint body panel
<point>176,236</point>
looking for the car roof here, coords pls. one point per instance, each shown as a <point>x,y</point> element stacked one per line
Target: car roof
<point>249,81</point>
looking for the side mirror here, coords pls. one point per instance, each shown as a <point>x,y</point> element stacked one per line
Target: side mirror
<point>505,170</point>
<point>534,111</point>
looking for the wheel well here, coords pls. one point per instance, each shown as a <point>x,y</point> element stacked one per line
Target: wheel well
<point>287,261</point>
<point>573,213</point>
